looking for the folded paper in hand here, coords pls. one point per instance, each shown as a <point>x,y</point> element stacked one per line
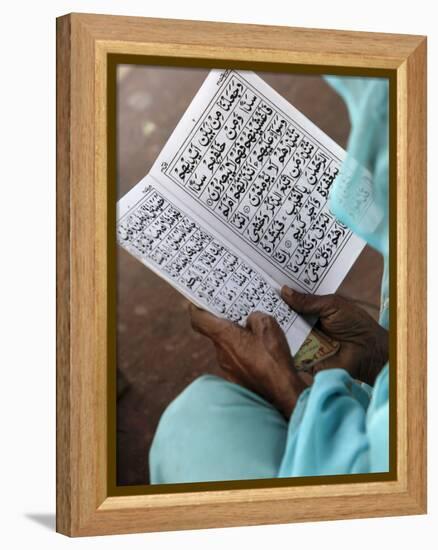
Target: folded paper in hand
<point>235,205</point>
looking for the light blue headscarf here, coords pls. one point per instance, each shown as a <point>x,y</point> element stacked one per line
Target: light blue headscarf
<point>368,146</point>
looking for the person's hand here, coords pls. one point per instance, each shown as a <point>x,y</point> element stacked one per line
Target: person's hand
<point>363,342</point>
<point>256,357</point>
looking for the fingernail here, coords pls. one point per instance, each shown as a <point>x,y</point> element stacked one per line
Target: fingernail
<point>287,291</point>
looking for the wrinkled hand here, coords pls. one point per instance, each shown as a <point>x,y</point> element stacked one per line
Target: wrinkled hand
<point>364,345</point>
<point>256,357</point>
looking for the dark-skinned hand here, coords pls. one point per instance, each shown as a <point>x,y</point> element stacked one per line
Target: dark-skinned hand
<point>256,357</point>
<point>363,343</point>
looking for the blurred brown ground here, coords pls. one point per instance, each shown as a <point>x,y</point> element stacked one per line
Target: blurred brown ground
<point>158,354</point>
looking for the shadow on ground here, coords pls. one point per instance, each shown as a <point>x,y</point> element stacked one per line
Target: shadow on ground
<point>45,520</point>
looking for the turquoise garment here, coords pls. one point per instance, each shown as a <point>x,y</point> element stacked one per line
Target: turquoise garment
<point>337,428</point>
<point>216,430</point>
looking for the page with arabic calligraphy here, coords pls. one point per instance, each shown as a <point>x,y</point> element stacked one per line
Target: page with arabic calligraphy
<point>235,205</point>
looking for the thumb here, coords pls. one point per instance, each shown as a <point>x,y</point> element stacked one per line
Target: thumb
<point>309,304</point>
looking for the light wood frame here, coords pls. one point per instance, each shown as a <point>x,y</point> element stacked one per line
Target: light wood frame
<point>84,505</point>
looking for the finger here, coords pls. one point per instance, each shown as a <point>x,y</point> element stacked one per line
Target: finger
<point>310,304</point>
<point>326,364</point>
<point>306,377</point>
<point>266,329</point>
<point>260,323</point>
<point>208,324</point>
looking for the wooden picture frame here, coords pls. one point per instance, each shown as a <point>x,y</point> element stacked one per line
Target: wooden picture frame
<point>88,46</point>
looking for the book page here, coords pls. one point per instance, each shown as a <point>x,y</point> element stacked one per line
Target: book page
<point>258,171</point>
<point>171,241</point>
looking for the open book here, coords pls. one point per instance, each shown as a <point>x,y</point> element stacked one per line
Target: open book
<point>235,205</point>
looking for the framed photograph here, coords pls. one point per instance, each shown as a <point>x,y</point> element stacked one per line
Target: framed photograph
<point>241,274</point>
